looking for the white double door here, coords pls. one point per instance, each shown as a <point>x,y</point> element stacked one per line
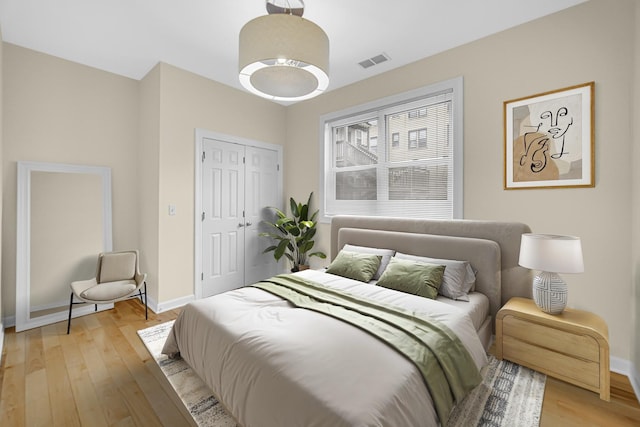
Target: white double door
<point>239,183</point>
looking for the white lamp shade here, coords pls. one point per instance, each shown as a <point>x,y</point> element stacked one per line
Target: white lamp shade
<point>284,57</point>
<point>552,253</point>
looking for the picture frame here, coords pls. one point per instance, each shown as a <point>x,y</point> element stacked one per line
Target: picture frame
<point>549,139</point>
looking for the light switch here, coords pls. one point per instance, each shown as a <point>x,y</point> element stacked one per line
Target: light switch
<point>172,210</point>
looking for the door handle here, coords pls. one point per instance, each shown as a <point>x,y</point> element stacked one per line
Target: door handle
<point>248,224</point>
<point>240,225</point>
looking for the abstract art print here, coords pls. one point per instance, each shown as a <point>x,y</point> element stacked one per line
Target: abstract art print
<point>549,139</point>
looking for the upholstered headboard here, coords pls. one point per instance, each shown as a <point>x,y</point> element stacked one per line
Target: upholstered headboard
<point>515,280</point>
<point>484,255</point>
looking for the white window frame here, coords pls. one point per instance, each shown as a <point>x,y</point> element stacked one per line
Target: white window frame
<point>365,111</point>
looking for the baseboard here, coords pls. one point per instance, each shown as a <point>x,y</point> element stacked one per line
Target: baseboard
<point>171,304</point>
<point>628,369</point>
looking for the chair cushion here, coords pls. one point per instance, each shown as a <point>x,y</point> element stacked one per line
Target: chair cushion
<point>117,266</point>
<point>109,291</point>
<point>80,286</point>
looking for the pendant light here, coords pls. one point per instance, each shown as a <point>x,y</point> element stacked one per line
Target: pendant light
<point>283,56</point>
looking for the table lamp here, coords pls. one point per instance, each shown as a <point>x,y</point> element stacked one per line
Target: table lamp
<point>551,254</point>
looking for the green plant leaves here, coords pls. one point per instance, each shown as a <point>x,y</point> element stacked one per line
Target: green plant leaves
<point>295,234</point>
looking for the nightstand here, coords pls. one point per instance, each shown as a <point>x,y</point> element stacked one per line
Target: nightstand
<point>572,346</point>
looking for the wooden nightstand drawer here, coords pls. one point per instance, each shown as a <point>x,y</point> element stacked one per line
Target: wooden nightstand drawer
<point>581,346</point>
<point>580,372</point>
<point>572,346</point>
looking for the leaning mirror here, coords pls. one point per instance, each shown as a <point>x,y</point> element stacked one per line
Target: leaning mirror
<point>63,222</point>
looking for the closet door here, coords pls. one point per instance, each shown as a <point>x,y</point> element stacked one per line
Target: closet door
<point>261,192</point>
<point>223,224</point>
<point>239,184</point>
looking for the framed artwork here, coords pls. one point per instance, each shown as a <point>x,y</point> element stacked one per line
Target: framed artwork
<point>549,139</point>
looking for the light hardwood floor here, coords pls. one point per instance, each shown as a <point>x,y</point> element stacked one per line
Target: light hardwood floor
<point>100,375</point>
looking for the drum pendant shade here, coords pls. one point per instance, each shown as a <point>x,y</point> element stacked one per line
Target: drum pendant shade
<point>284,57</point>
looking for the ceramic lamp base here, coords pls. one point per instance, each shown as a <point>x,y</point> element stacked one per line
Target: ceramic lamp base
<point>550,292</point>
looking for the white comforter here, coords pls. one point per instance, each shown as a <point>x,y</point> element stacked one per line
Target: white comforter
<point>273,365</point>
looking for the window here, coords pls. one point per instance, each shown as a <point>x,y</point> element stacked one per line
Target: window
<point>373,143</point>
<point>395,139</point>
<point>418,138</point>
<point>420,112</point>
<point>370,169</point>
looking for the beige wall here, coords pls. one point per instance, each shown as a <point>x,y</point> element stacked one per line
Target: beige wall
<point>148,183</point>
<point>62,112</point>
<point>188,102</point>
<point>553,52</point>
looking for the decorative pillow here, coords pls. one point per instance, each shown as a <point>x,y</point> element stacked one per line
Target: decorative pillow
<point>354,265</point>
<point>385,253</point>
<point>413,277</point>
<point>459,277</point>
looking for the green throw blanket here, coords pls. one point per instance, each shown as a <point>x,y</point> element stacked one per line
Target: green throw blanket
<point>446,366</point>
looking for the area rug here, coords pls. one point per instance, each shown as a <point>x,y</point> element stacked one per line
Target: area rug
<point>509,396</point>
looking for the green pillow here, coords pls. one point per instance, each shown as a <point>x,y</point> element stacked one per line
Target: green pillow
<point>354,265</point>
<point>413,277</point>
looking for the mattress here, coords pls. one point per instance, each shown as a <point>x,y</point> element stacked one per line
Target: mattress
<point>271,364</point>
<point>477,308</point>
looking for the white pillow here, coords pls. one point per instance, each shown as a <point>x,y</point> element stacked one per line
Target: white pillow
<point>459,277</point>
<point>385,253</point>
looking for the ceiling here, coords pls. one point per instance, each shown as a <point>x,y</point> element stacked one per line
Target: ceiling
<point>128,37</point>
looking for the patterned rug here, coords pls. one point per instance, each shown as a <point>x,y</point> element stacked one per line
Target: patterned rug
<point>509,396</point>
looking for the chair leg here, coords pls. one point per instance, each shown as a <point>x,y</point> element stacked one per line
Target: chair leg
<point>96,309</point>
<point>146,307</point>
<point>69,321</point>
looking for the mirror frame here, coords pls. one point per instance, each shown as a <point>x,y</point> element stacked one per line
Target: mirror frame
<point>23,239</point>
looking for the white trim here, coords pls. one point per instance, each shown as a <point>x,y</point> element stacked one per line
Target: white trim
<point>169,305</point>
<point>23,234</point>
<point>200,134</point>
<point>628,369</point>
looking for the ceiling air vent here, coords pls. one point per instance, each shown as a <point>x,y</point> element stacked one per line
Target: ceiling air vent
<point>374,60</point>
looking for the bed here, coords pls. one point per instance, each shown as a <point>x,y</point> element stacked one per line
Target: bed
<point>271,363</point>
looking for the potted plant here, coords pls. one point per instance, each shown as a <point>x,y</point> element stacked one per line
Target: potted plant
<point>294,235</point>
